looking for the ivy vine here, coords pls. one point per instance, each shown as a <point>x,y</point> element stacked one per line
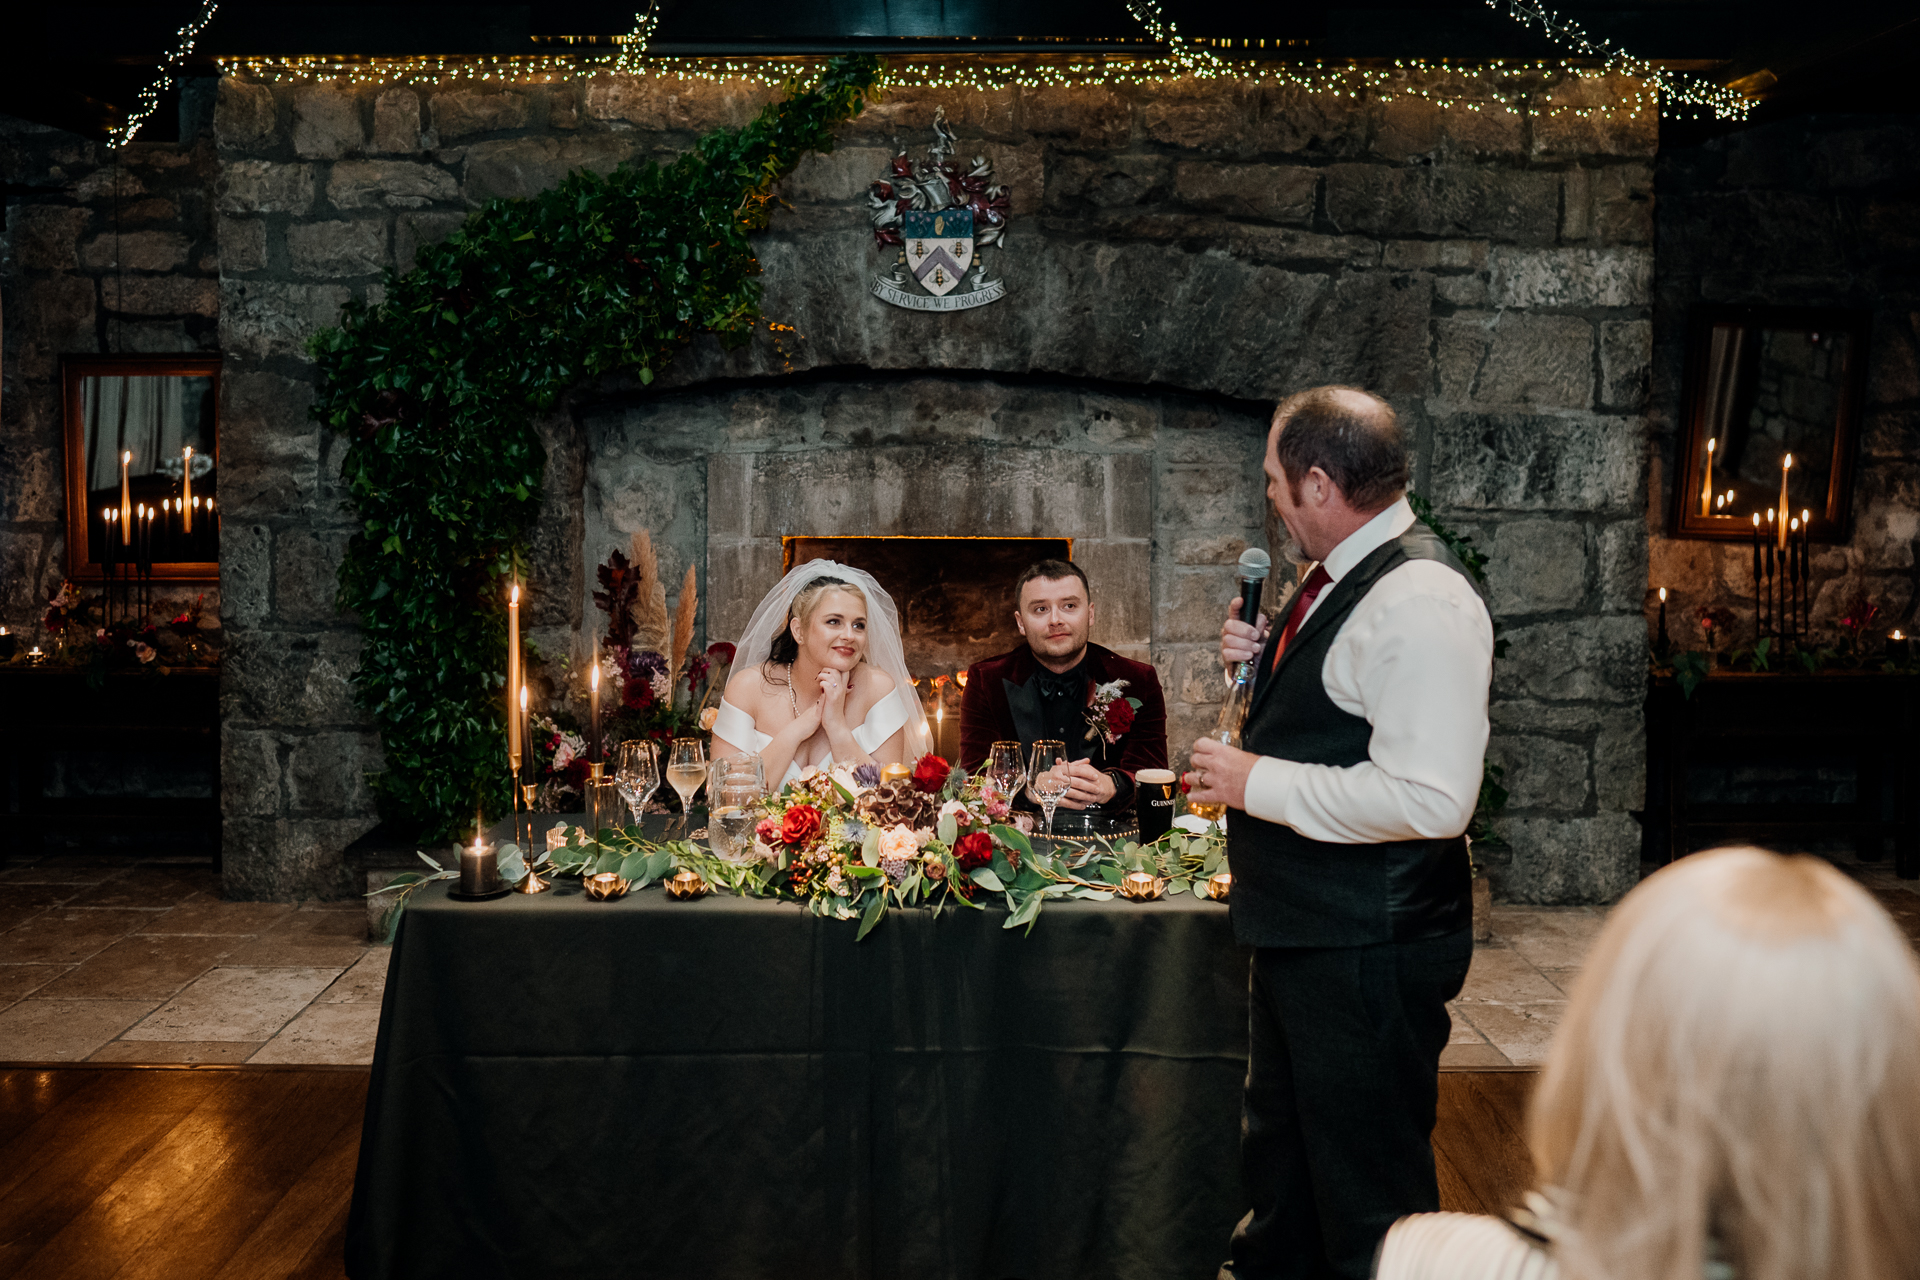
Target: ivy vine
<point>437,387</point>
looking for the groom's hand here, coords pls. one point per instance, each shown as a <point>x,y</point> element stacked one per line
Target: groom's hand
<point>1086,785</point>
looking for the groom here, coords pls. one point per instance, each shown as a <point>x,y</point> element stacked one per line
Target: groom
<point>1043,690</point>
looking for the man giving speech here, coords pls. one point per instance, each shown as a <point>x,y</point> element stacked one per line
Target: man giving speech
<point>1350,878</point>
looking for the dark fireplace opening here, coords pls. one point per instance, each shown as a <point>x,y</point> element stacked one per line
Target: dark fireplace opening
<point>955,595</point>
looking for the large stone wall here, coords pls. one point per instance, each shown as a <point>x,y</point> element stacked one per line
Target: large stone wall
<point>1821,212</point>
<point>100,254</point>
<point>1211,244</point>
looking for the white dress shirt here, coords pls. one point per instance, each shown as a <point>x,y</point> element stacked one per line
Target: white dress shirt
<point>1414,659</point>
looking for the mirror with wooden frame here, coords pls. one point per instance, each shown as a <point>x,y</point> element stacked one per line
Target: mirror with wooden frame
<point>1764,384</point>
<point>143,431</point>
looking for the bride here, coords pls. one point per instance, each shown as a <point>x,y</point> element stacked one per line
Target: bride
<point>820,678</point>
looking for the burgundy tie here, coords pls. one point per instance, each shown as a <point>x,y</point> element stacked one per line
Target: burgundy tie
<point>1309,591</point>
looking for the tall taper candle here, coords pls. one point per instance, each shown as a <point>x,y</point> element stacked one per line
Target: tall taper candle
<point>513,676</point>
<point>1665,644</point>
<point>1759,619</point>
<point>593,697</point>
<point>1706,486</point>
<point>126,500</point>
<point>186,485</point>
<point>106,558</point>
<point>1786,465</point>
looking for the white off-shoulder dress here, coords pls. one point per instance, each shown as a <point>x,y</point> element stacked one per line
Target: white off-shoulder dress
<point>884,719</point>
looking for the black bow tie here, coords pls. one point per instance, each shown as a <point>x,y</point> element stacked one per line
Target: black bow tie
<point>1071,685</point>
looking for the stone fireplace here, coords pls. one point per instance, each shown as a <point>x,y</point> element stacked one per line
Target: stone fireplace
<point>1180,256</point>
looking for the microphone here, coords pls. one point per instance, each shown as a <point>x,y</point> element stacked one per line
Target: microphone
<point>1255,564</point>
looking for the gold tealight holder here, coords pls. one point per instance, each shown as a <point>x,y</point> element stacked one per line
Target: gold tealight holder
<point>686,885</point>
<point>1142,886</point>
<point>606,886</point>
<point>1219,885</point>
<point>895,773</point>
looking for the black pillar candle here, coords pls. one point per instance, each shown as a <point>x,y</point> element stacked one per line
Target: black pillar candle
<point>1759,617</point>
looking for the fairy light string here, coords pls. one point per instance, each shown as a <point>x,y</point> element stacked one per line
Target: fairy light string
<point>171,68</point>
<point>1524,86</point>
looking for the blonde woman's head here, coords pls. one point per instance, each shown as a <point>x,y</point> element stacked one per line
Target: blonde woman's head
<point>826,620</point>
<point>1740,1064</point>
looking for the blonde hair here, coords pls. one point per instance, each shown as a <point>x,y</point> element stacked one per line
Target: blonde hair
<point>801,608</point>
<point>1738,1069</point>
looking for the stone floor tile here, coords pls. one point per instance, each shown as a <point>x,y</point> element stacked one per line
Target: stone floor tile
<point>153,1051</point>
<point>319,928</point>
<point>64,1030</point>
<point>331,904</point>
<point>1521,1031</point>
<point>142,887</point>
<point>1463,1032</point>
<point>219,917</point>
<point>1561,978</point>
<point>1550,938</point>
<point>1505,977</point>
<point>234,1004</point>
<point>35,873</point>
<point>142,967</point>
<point>365,983</point>
<point>66,935</point>
<point>1471,1057</point>
<point>17,980</point>
<point>326,1033</point>
<point>270,954</point>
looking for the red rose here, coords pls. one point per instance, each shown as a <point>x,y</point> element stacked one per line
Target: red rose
<point>974,849</point>
<point>801,824</point>
<point>637,695</point>
<point>930,774</point>
<point>1119,716</point>
<point>721,652</point>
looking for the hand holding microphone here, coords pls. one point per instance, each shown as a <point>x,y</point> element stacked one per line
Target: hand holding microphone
<point>1241,640</point>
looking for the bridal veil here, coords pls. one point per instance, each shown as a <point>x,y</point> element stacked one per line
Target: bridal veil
<point>884,647</point>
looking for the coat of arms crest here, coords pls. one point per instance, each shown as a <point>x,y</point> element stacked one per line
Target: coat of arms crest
<point>941,218</point>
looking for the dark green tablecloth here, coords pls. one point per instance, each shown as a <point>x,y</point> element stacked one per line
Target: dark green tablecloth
<point>734,1088</point>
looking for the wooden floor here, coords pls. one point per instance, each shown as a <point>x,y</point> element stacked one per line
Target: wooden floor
<point>245,1173</point>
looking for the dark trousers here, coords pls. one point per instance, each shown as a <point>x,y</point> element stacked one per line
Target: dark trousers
<point>1337,1128</point>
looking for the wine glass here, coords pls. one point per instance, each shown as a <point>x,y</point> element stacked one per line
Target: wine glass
<point>686,770</point>
<point>1050,780</point>
<point>1212,812</point>
<point>734,785</point>
<point>637,771</point>
<point>1007,768</point>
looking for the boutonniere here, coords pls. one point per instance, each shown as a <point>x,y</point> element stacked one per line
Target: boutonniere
<point>1108,714</point>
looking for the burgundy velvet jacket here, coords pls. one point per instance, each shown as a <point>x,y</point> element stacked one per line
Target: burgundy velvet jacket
<point>1001,702</point>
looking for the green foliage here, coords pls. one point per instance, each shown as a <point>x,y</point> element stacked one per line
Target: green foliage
<point>437,386</point>
<point>1689,669</point>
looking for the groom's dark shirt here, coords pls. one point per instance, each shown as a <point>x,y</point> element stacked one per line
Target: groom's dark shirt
<point>1013,697</point>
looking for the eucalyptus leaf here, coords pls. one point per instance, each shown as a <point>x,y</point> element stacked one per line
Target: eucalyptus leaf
<point>947,830</point>
<point>872,916</point>
<point>1012,837</point>
<point>984,877</point>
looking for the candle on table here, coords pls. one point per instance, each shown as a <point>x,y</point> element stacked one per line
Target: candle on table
<point>1663,620</point>
<point>593,698</point>
<point>1706,487</point>
<point>126,499</point>
<point>186,483</point>
<point>474,879</point>
<point>513,675</point>
<point>1806,567</point>
<point>1786,465</point>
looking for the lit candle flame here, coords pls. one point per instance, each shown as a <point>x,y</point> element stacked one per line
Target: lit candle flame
<point>513,596</point>
<point>594,678</point>
<point>1663,595</point>
<point>1787,465</point>
<point>523,699</point>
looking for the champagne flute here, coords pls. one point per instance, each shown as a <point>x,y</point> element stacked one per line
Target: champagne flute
<point>1213,812</point>
<point>1007,768</point>
<point>734,785</point>
<point>1050,781</point>
<point>686,770</point>
<point>637,771</point>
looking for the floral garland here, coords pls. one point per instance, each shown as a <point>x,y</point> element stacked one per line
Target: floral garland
<point>849,846</point>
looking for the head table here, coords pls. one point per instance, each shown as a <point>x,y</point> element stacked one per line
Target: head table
<point>733,1087</point>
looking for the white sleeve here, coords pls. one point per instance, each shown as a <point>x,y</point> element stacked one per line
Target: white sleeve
<point>884,719</point>
<point>1459,1246</point>
<point>735,727</point>
<point>1416,665</point>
